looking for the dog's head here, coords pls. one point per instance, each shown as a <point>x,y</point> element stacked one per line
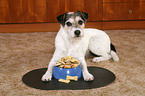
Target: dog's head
<point>73,23</point>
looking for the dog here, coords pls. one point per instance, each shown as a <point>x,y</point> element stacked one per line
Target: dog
<point>75,40</point>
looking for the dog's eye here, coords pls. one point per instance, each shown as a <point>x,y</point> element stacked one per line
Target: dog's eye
<point>68,24</point>
<point>80,22</point>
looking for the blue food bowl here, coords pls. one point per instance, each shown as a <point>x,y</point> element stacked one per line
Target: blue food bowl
<point>61,73</point>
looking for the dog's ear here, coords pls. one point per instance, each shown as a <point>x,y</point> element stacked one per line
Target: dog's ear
<point>61,18</point>
<point>83,15</point>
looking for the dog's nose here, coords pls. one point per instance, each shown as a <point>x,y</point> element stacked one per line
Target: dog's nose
<point>77,32</point>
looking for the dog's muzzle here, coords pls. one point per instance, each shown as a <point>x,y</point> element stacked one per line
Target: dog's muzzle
<point>77,33</point>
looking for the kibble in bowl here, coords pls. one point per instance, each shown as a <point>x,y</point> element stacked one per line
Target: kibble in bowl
<point>68,62</point>
<point>67,66</point>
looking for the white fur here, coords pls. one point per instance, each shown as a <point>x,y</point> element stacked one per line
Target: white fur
<point>94,40</point>
<point>114,56</point>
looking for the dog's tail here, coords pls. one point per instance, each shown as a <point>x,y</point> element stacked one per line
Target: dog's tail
<point>113,53</point>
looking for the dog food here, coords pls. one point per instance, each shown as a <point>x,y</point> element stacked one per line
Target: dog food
<point>64,81</point>
<point>68,62</point>
<point>75,78</point>
<point>68,78</point>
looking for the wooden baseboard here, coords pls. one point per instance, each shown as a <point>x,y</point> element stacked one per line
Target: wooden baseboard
<point>54,27</point>
<point>121,25</point>
<point>38,27</point>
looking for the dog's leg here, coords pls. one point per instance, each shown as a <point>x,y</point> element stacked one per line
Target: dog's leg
<point>48,75</point>
<point>57,55</point>
<point>101,58</point>
<point>101,47</point>
<point>86,75</point>
<point>104,54</point>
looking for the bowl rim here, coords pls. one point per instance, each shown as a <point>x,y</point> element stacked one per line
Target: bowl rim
<point>68,68</point>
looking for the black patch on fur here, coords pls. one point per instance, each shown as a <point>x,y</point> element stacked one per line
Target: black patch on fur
<point>112,47</point>
<point>94,54</point>
<point>64,17</point>
<point>83,15</point>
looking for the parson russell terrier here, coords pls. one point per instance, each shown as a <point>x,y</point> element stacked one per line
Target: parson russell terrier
<point>75,40</point>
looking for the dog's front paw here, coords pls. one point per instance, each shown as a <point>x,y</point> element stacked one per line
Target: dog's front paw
<point>46,77</point>
<point>88,77</point>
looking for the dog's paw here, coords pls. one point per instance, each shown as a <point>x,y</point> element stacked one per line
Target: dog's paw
<point>97,59</point>
<point>46,77</point>
<point>88,77</point>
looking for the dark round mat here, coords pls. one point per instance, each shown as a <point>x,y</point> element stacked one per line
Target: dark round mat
<point>102,77</point>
